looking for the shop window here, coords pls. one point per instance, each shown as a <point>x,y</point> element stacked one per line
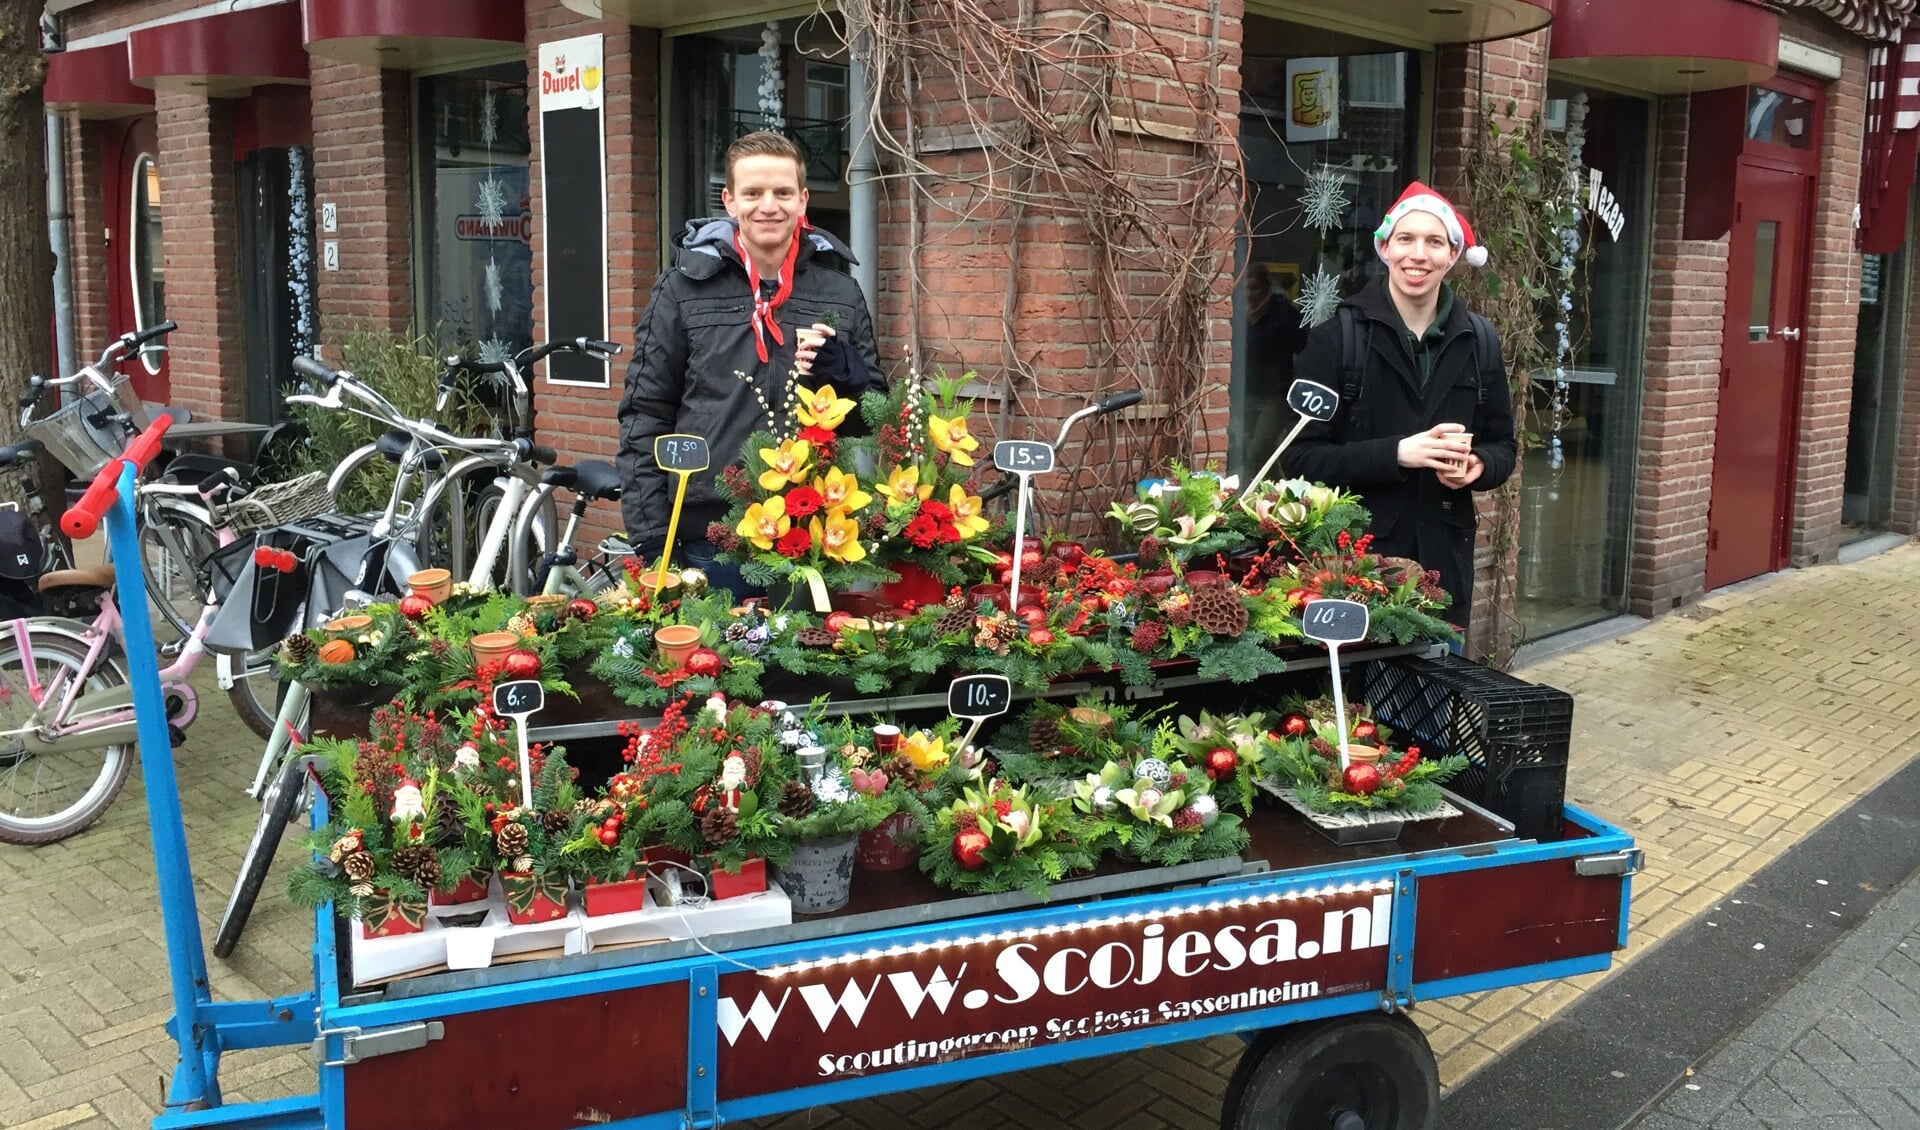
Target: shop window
<point>148,256</point>
<point>1778,118</point>
<point>1329,131</point>
<point>476,223</point>
<point>1766,237</point>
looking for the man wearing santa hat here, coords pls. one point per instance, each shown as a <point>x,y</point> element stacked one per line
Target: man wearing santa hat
<point>1425,417</point>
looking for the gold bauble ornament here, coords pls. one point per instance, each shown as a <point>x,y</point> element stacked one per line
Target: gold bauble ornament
<point>693,582</point>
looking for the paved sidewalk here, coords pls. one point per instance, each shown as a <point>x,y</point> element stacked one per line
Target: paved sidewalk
<point>1840,1050</point>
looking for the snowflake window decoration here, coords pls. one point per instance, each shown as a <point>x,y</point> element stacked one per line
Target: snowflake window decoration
<point>489,119</point>
<point>493,349</point>
<point>1319,298</point>
<point>772,98</point>
<point>1324,200</point>
<point>300,253</point>
<point>1563,316</point>
<point>496,290</point>
<point>490,200</point>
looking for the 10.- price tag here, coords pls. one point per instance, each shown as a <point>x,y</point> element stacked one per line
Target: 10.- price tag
<point>681,456</point>
<point>1336,622</point>
<point>1025,458</point>
<point>518,700</point>
<point>1312,401</point>
<point>977,698</point>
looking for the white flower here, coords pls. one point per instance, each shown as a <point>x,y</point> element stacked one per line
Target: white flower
<point>623,648</point>
<point>1016,821</point>
<point>407,803</point>
<point>1102,797</point>
<point>467,757</point>
<point>1229,484</point>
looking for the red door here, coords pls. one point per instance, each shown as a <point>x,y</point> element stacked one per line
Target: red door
<point>1759,375</point>
<point>136,256</point>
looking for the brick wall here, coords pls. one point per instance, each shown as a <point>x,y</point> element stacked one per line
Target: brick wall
<point>92,323</point>
<point>1833,306</point>
<point>360,164</point>
<point>198,213</point>
<point>582,421</point>
<point>1686,303</point>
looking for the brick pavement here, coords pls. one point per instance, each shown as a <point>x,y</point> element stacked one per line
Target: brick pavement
<point>1711,734</point>
<point>1840,1050</point>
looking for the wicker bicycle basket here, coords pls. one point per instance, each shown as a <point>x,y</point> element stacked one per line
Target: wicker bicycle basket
<point>84,433</point>
<point>275,504</point>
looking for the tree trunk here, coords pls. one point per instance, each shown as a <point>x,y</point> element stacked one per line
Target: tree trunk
<point>26,256</point>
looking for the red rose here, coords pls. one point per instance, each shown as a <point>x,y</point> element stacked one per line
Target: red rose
<point>793,544</point>
<point>922,531</point>
<point>803,502</point>
<point>937,510</point>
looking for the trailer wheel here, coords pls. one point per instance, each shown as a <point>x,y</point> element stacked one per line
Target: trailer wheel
<point>1371,1071</point>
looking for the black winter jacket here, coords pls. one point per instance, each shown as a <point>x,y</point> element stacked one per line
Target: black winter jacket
<point>694,336</point>
<point>1414,515</point>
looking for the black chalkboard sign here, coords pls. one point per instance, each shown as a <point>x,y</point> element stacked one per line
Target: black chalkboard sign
<point>979,696</point>
<point>572,166</point>
<point>518,698</point>
<point>680,452</point>
<point>1313,400</point>
<point>1335,621</point>
<point>1023,456</point>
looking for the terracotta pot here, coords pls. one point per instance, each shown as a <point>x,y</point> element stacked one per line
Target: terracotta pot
<point>751,879</point>
<point>547,602</point>
<point>618,897</point>
<point>1367,754</point>
<point>472,887</point>
<point>434,584</point>
<point>492,647</point>
<point>915,584</point>
<point>355,623</point>
<point>676,642</point>
<point>893,846</point>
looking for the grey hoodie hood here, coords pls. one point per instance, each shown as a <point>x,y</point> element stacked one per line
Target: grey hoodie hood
<point>706,243</point>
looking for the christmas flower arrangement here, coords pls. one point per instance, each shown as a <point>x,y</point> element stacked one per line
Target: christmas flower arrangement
<point>528,841</point>
<point>1404,601</point>
<point>728,780</point>
<point>613,831</point>
<point>1228,628</point>
<point>1300,517</point>
<point>1156,811</point>
<point>1306,760</point>
<point>824,803</point>
<point>727,659</point>
<point>1053,741</point>
<point>1229,749</point>
<point>799,509</point>
<point>996,837</point>
<point>371,648</point>
<point>924,455</point>
<point>1185,514</point>
<point>897,653</point>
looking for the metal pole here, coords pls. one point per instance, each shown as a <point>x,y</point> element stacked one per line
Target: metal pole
<point>59,232</point>
<point>180,917</point>
<point>862,171</point>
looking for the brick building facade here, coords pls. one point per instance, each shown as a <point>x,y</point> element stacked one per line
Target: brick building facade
<point>1016,274</point>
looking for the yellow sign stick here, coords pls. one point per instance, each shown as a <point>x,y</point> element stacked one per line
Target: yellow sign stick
<point>680,456</point>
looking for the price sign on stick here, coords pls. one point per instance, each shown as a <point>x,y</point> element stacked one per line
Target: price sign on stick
<point>1312,401</point>
<point>1025,458</point>
<point>978,698</point>
<point>517,700</point>
<point>680,456</point>
<point>1336,622</point>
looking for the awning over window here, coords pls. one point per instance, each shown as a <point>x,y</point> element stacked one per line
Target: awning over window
<point>1893,128</point>
<point>94,81</point>
<point>225,54</point>
<point>405,34</point>
<point>1666,46</point>
<point>1420,21</point>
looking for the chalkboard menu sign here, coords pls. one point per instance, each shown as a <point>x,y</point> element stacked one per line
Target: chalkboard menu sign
<point>574,203</point>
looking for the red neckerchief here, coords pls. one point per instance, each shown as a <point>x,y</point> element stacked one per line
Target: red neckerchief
<point>763,308</point>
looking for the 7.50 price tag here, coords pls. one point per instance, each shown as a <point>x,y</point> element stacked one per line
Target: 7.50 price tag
<point>683,453</point>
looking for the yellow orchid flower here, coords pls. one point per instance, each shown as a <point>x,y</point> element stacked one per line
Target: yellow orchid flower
<point>839,539</point>
<point>928,752</point>
<point>951,437</point>
<point>765,522</point>
<point>787,464</point>
<point>822,407</point>
<point>841,491</point>
<point>903,485</point>
<point>966,511</point>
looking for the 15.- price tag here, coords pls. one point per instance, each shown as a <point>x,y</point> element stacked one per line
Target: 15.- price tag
<point>682,453</point>
<point>1335,622</point>
<point>1313,400</point>
<point>1023,456</point>
<point>979,696</point>
<point>519,698</point>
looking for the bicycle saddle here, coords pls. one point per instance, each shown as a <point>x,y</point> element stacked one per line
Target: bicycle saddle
<point>15,454</point>
<point>393,446</point>
<point>97,577</point>
<point>592,478</point>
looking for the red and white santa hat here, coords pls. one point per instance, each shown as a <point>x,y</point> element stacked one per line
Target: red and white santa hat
<point>1419,198</point>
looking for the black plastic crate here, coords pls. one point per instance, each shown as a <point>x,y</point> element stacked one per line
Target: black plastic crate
<point>1514,732</point>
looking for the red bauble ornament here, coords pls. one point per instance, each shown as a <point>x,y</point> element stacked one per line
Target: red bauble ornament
<point>970,848</point>
<point>704,661</point>
<point>1294,725</point>
<point>1033,614</point>
<point>1040,637</point>
<point>582,608</point>
<point>415,607</point>
<point>1364,729</point>
<point>1222,763</point>
<point>609,836</point>
<point>520,664</point>
<point>1362,779</point>
<point>837,621</point>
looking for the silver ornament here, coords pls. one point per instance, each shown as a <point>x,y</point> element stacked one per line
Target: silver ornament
<point>1155,770</point>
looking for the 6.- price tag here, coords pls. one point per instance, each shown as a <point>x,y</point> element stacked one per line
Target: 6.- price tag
<point>681,456</point>
<point>1025,458</point>
<point>1336,622</point>
<point>979,696</point>
<point>1312,401</point>
<point>517,700</point>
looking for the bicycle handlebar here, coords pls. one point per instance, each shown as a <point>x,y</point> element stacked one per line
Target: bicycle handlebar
<point>314,370</point>
<point>83,517</point>
<point>138,338</point>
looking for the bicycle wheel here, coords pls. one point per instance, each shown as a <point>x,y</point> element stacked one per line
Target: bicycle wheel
<point>276,811</point>
<point>172,546</point>
<point>255,688</point>
<point>48,795</point>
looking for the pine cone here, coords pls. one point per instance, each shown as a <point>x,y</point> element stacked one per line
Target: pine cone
<point>511,840</point>
<point>522,864</point>
<point>720,824</point>
<point>359,866</point>
<point>1218,610</point>
<point>1046,569</point>
<point>796,800</point>
<point>446,818</point>
<point>1044,734</point>
<point>361,889</point>
<point>421,864</point>
<point>1148,635</point>
<point>556,821</point>
<point>736,632</point>
<point>902,768</point>
<point>1150,549</point>
<point>298,650</point>
<point>814,637</point>
<point>956,599</point>
<point>955,621</point>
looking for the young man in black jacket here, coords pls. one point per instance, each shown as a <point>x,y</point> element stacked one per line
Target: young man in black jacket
<point>741,289</point>
<point>1425,417</point>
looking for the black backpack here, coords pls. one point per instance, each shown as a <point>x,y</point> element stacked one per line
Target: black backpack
<point>1356,339</point>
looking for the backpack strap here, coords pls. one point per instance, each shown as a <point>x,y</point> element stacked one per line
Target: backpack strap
<point>1355,340</point>
<point>1486,354</point>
